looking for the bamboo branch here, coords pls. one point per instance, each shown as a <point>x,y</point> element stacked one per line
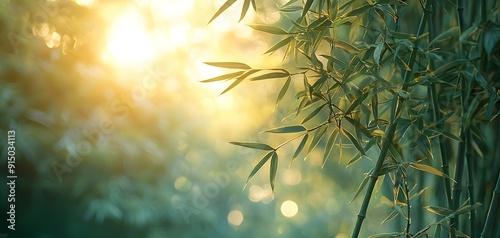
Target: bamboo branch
<point>395,113</point>
<point>491,218</point>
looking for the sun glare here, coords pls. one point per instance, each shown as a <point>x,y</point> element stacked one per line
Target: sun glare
<point>129,42</point>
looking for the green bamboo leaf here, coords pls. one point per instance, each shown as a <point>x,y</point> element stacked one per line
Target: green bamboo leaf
<point>300,147</point>
<point>480,79</point>
<point>429,169</point>
<point>259,165</point>
<point>437,232</point>
<point>273,169</point>
<point>448,66</point>
<point>271,76</point>
<point>457,232</point>
<point>269,29</point>
<point>254,5</point>
<point>288,129</point>
<point>358,11</point>
<point>391,216</point>
<point>329,145</point>
<point>356,103</point>
<point>402,63</point>
<point>240,79</point>
<point>253,145</point>
<point>229,65</point>
<point>280,44</point>
<point>290,9</point>
<point>337,61</point>
<point>378,52</point>
<point>320,132</point>
<point>362,185</point>
<point>446,35</point>
<point>387,235</point>
<point>353,140</point>
<point>467,208</point>
<point>244,10</point>
<point>223,77</point>
<point>307,6</point>
<point>223,8</point>
<point>313,113</point>
<point>441,211</point>
<point>349,48</point>
<point>283,90</point>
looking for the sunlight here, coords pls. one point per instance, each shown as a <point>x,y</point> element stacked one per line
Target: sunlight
<point>289,208</point>
<point>129,42</point>
<point>235,217</point>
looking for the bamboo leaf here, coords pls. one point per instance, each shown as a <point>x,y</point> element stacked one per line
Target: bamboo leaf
<point>269,29</point>
<point>223,77</point>
<point>320,132</point>
<point>307,6</point>
<point>387,235</point>
<point>446,35</point>
<point>300,147</point>
<point>441,211</point>
<point>313,113</point>
<point>349,48</point>
<point>223,8</point>
<point>449,66</point>
<point>356,103</point>
<point>361,186</point>
<point>239,79</point>
<point>358,11</point>
<point>244,10</point>
<point>378,52</point>
<point>287,129</point>
<point>273,169</point>
<point>229,65</point>
<point>353,140</point>
<point>259,165</point>
<point>271,76</point>
<point>280,44</point>
<point>467,208</point>
<point>283,90</point>
<point>329,146</point>
<point>337,61</point>
<point>253,145</point>
<point>429,169</point>
<point>391,216</point>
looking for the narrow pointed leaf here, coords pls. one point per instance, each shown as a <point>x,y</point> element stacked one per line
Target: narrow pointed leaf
<point>329,145</point>
<point>307,6</point>
<point>287,129</point>
<point>253,145</point>
<point>244,10</point>
<point>358,11</point>
<point>229,65</point>
<point>259,165</point>
<point>429,169</point>
<point>280,44</point>
<point>271,76</point>
<point>269,29</point>
<point>273,169</point>
<point>283,90</point>
<point>354,141</point>
<point>361,186</point>
<point>223,8</point>
<point>312,114</point>
<point>356,103</point>
<point>320,132</point>
<point>223,77</point>
<point>300,147</point>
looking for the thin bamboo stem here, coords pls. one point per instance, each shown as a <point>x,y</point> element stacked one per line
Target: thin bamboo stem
<point>492,211</point>
<point>471,178</point>
<point>437,113</point>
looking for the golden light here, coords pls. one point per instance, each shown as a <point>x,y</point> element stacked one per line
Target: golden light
<point>129,42</point>
<point>235,217</point>
<point>289,208</point>
<point>85,3</point>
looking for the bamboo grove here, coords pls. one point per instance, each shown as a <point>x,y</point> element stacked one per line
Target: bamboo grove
<point>412,85</point>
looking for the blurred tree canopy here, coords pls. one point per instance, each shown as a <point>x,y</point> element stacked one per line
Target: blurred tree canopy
<point>108,147</point>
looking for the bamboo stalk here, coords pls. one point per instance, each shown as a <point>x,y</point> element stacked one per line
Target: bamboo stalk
<point>395,113</point>
<point>471,180</point>
<point>437,113</point>
<point>492,211</point>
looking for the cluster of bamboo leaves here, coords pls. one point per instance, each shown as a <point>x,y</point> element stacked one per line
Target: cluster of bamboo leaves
<point>421,96</point>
